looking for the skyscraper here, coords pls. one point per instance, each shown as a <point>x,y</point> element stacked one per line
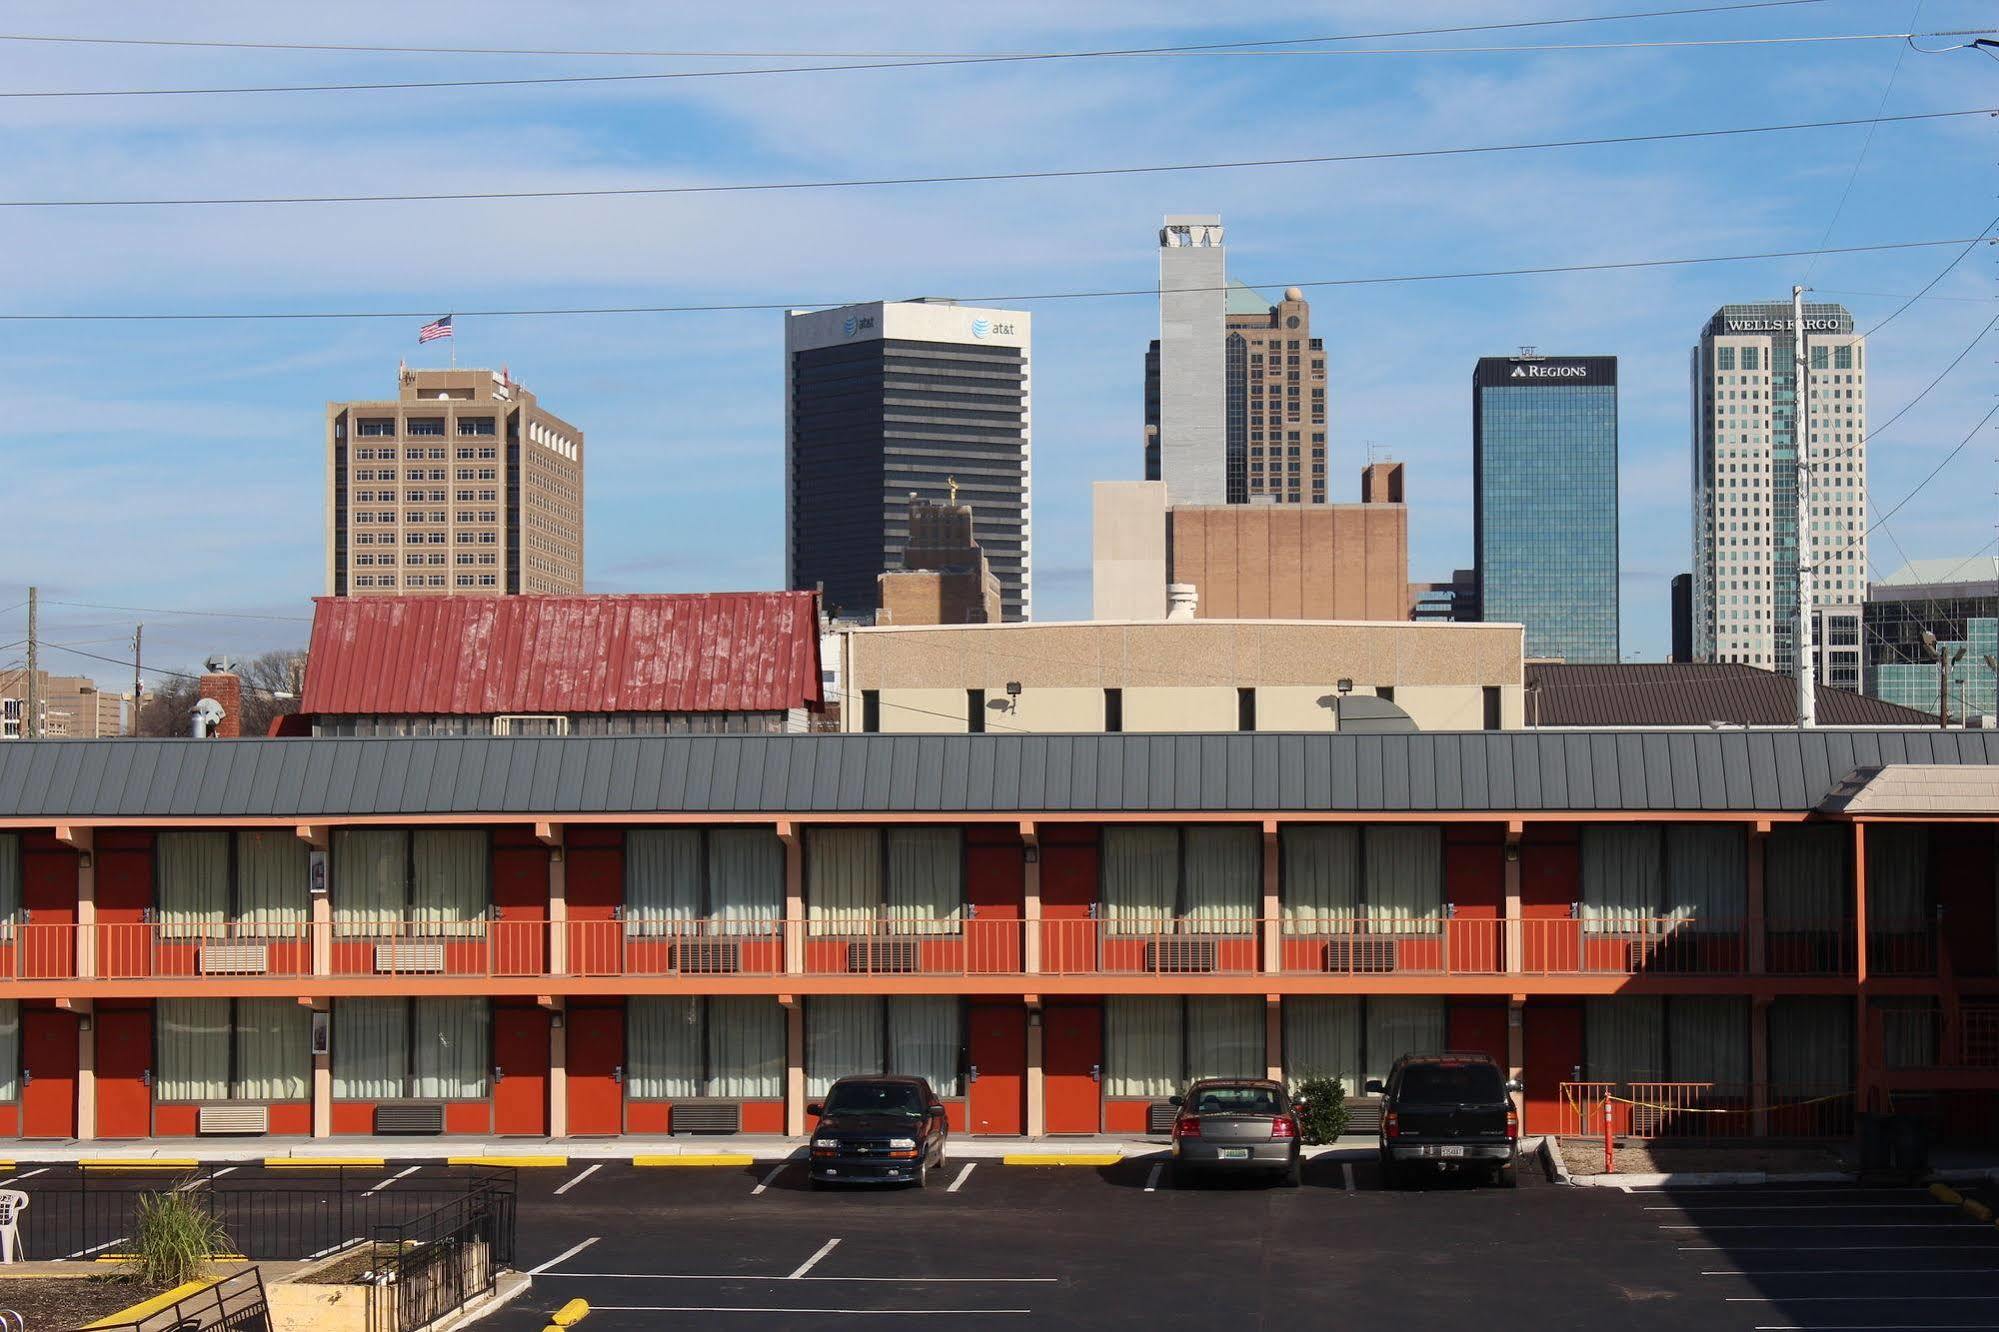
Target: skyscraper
<point>893,400</point>
<point>1191,442</point>
<point>1746,450</point>
<point>1544,496</point>
<point>460,485</point>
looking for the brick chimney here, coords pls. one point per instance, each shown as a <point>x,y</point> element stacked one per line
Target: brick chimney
<point>226,688</point>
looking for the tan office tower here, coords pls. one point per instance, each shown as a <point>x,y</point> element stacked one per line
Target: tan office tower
<point>460,485</point>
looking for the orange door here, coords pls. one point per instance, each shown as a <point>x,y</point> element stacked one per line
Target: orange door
<point>1477,1024</point>
<point>595,882</point>
<point>997,1052</point>
<point>1069,902</point>
<point>124,904</point>
<point>520,909</point>
<point>520,1062</point>
<point>596,1058</point>
<point>48,894</point>
<point>1072,1059</point>
<point>48,1073</point>
<point>124,1072</point>
<point>1553,1037</point>
<point>993,898</point>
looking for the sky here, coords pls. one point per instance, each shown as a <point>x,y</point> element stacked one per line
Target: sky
<point>179,466</point>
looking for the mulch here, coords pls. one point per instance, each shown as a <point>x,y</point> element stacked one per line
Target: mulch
<point>56,1304</point>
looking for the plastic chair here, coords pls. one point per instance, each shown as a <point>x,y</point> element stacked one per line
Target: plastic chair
<point>13,1202</point>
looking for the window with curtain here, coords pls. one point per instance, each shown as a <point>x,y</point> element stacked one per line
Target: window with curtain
<point>10,1050</point>
<point>1707,1040</point>
<point>1141,878</point>
<point>191,1049</point>
<point>10,884</point>
<point>273,1050</point>
<point>449,886</point>
<point>370,1048</point>
<point>1624,1039</point>
<point>843,1037</point>
<point>272,882</point>
<point>370,869</point>
<point>1811,1045</point>
<point>745,1047</point>
<point>1320,888</point>
<point>1225,1038</point>
<point>1322,1039</point>
<point>449,1047</point>
<point>663,868</point>
<point>1223,875</point>
<point>1804,872</point>
<point>843,880</point>
<point>745,880</point>
<point>1396,1027</point>
<point>1707,876</point>
<point>193,869</point>
<point>1623,878</point>
<point>1898,878</point>
<point>1403,888</point>
<point>1908,1029</point>
<point>925,1038</point>
<point>926,881</point>
<point>664,1046</point>
<point>1143,1046</point>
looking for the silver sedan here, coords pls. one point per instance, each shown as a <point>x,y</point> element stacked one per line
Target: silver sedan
<point>1237,1124</point>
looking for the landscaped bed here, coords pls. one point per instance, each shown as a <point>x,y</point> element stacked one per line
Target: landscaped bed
<point>1584,1156</point>
<point>55,1304</point>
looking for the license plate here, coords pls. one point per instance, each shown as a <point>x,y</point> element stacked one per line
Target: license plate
<point>1444,1151</point>
<point>1233,1153</point>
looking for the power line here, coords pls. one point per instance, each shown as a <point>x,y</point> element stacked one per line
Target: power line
<point>1865,143</point>
<point>888,55</point>
<point>430,312</point>
<point>1948,458</point>
<point>1945,272</point>
<point>150,670</point>
<point>158,610</point>
<point>879,182</point>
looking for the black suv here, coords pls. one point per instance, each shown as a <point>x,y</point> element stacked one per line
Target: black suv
<point>1447,1112</point>
<point>881,1130</point>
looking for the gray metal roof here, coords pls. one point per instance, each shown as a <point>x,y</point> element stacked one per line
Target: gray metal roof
<point>1762,771</point>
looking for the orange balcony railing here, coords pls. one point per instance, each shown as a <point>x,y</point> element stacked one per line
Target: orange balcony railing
<point>1633,946</point>
<point>1702,1110</point>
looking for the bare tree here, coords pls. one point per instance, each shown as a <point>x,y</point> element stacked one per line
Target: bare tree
<point>167,705</point>
<point>272,683</point>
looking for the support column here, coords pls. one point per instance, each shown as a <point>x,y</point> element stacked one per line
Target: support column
<point>1030,897</point>
<point>558,1069</point>
<point>1758,923</point>
<point>1514,957</point>
<point>1865,1070</point>
<point>86,1071</point>
<point>1037,1110</point>
<point>794,1064</point>
<point>1860,905</point>
<point>319,926</point>
<point>794,907</point>
<point>84,842</point>
<point>1516,1048</point>
<point>1273,1037</point>
<point>322,1073</point>
<point>1273,943</point>
<point>1759,1065</point>
<point>551,835</point>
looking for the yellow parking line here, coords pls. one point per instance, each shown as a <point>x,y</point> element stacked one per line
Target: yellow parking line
<point>1061,1159</point>
<point>693,1160</point>
<point>507,1160</point>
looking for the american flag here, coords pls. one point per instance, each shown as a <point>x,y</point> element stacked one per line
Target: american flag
<point>436,328</point>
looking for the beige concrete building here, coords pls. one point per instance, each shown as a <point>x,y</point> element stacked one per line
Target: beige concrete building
<point>461,485</point>
<point>945,578</point>
<point>73,707</point>
<point>1177,676</point>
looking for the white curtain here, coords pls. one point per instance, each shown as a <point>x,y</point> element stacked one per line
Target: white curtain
<point>191,1041</point>
<point>843,879</point>
<point>10,1050</point>
<point>1805,878</point>
<point>450,1048</point>
<point>1396,1027</point>
<point>1322,1039</point>
<point>1624,889</point>
<point>449,891</point>
<point>1908,1030</point>
<point>1141,879</point>
<point>1404,888</point>
<point>1707,876</point>
<point>1898,878</point>
<point>926,890</point>
<point>271,880</point>
<point>1225,1038</point>
<point>664,1035</point>
<point>1321,885</point>
<point>193,884</point>
<point>662,881</point>
<point>1624,1039</point>
<point>745,880</point>
<point>745,1047</point>
<point>1143,1049</point>
<point>843,1036</point>
<point>369,869</point>
<point>1224,880</point>
<point>925,1036</point>
<point>1811,1044</point>
<point>1707,1040</point>
<point>370,1048</point>
<point>10,883</point>
<point>273,1050</point>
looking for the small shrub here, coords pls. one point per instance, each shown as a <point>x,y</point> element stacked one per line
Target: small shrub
<point>173,1235</point>
<point>1321,1107</point>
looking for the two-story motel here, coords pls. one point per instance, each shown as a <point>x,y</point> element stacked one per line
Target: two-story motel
<point>670,933</point>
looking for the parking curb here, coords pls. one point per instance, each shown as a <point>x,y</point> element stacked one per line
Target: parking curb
<point>1062,1158</point>
<point>694,1159</point>
<point>519,1162</point>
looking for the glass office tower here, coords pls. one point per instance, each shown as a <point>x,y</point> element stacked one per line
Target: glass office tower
<point>1544,500</point>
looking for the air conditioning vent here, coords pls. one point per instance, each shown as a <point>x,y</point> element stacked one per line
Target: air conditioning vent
<point>409,1117</point>
<point>1363,1115</point>
<point>706,1117</point>
<point>1180,955</point>
<point>403,958</point>
<point>882,955</point>
<point>1365,954</point>
<point>708,956</point>
<point>242,959</point>
<point>1159,1117</point>
<point>218,1120</point>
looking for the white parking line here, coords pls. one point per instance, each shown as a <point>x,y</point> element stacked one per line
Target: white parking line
<point>813,1261</point>
<point>400,1174</point>
<point>788,1309</point>
<point>1805,1207</point>
<point>587,1172</point>
<point>1839,1225</point>
<point>1832,1248</point>
<point>85,1253</point>
<point>738,1276</point>
<point>18,1178</point>
<point>1873,1327</point>
<point>959,1182</point>
<point>1346,1173</point>
<point>1861,1272</point>
<point>564,1256</point>
<point>1845,1299</point>
<point>198,1181</point>
<point>762,1184</point>
<point>1152,1179</point>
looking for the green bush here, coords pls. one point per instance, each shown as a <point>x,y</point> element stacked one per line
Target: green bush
<point>173,1236</point>
<point>1321,1107</point>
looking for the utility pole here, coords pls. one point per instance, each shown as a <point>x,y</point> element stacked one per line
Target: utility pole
<point>1945,660</point>
<point>138,638</point>
<point>31,720</point>
<point>1801,429</point>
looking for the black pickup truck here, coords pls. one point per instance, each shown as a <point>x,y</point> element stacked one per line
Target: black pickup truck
<point>1447,1112</point>
<point>877,1130</point>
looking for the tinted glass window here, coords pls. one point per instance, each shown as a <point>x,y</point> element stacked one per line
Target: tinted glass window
<point>1235,1101</point>
<point>874,1098</point>
<point>1449,1084</point>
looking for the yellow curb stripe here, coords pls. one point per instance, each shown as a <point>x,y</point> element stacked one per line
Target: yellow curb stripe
<point>133,1258</point>
<point>693,1160</point>
<point>1976,1210</point>
<point>308,1162</point>
<point>1073,1159</point>
<point>525,1161</point>
<point>140,1163</point>
<point>1946,1194</point>
<point>146,1308</point>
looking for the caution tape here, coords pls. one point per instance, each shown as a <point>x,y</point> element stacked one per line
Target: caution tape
<point>1702,1110</point>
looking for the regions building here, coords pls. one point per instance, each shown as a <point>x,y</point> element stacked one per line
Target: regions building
<point>460,485</point>
<point>894,399</point>
<point>1737,934</point>
<point>1749,438</point>
<point>1544,500</point>
<point>1954,674</point>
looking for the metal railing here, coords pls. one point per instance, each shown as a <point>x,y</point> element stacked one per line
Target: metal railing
<point>235,1301</point>
<point>1706,1110</point>
<point>435,1263</point>
<point>1630,945</point>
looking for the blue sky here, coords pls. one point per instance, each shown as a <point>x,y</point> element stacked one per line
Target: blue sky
<point>180,465</point>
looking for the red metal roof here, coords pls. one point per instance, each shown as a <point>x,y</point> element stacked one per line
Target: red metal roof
<point>710,652</point>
